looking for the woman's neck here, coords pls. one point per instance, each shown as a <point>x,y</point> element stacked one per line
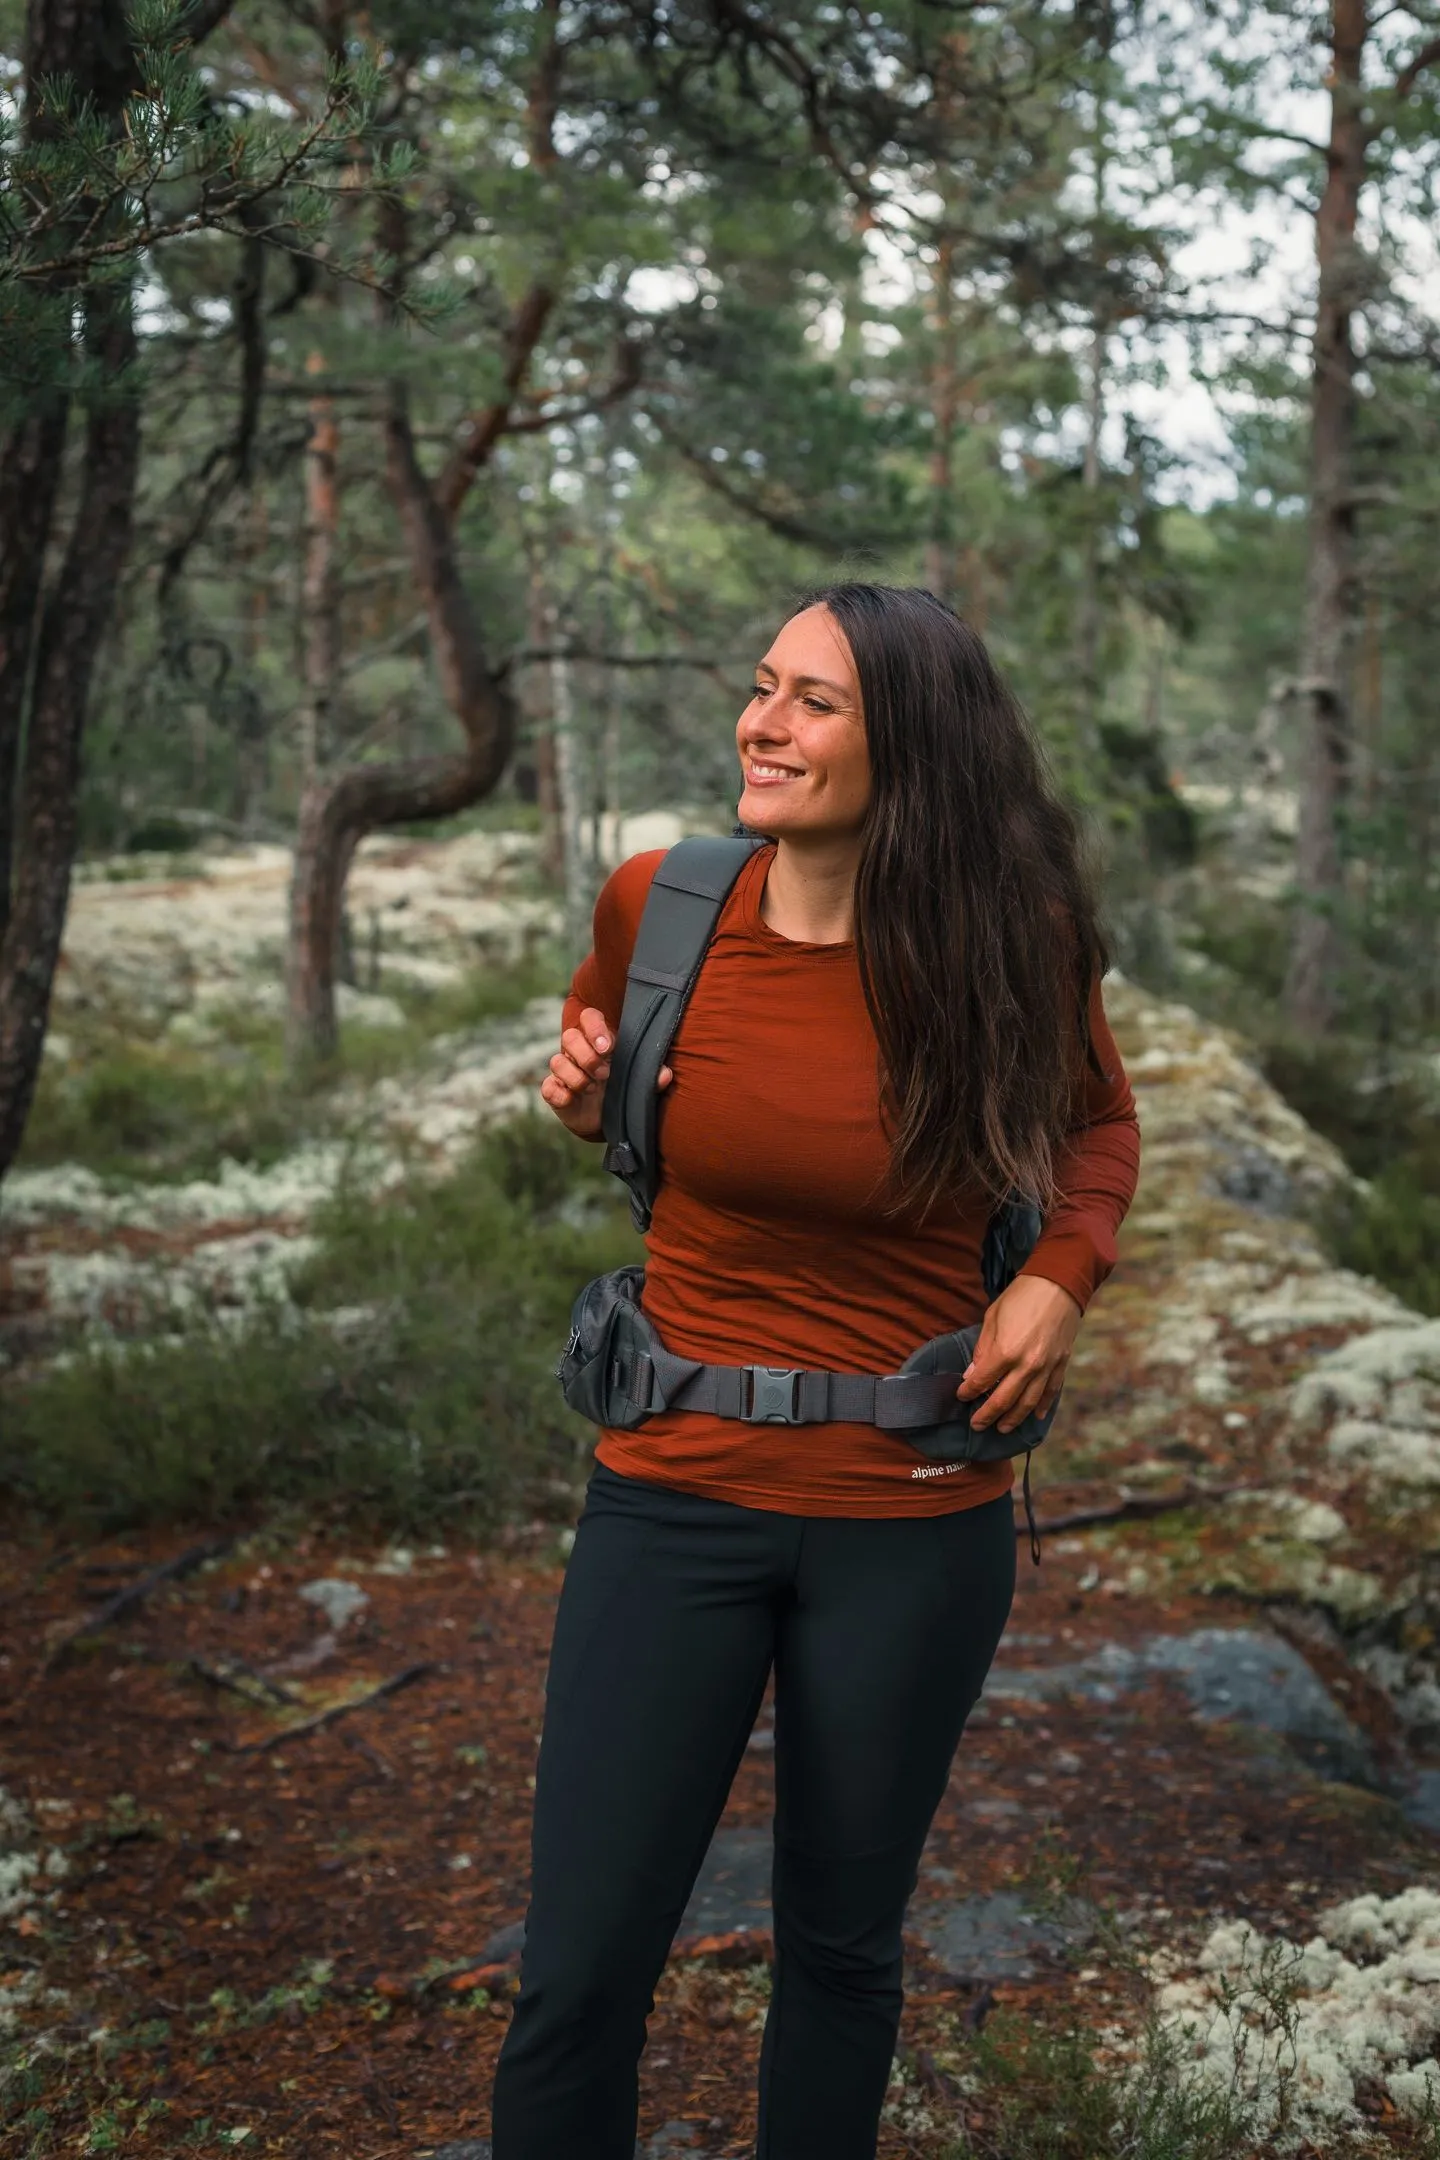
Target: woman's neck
<point>810,891</point>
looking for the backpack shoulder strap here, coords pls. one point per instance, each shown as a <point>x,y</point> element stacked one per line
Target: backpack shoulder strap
<point>689,889</point>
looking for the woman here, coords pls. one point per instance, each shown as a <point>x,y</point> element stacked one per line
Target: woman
<point>899,1020</point>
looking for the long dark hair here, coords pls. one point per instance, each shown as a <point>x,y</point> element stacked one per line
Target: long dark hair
<point>975,917</point>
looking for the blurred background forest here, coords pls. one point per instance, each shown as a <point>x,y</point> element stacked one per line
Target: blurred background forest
<point>417,420</point>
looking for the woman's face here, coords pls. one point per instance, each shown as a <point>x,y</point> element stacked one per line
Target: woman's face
<point>803,757</point>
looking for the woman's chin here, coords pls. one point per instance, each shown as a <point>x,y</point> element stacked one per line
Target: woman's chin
<point>759,809</point>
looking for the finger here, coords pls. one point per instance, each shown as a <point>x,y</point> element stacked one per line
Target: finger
<point>1052,1390</point>
<point>568,1073</point>
<point>1027,1403</point>
<point>576,1044</point>
<point>1002,1398</point>
<point>596,1028</point>
<point>664,1077</point>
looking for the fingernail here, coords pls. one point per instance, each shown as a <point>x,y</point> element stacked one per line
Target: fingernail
<point>602,1042</point>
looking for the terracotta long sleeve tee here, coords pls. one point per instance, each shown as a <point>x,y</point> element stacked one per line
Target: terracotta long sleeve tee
<point>769,1245</point>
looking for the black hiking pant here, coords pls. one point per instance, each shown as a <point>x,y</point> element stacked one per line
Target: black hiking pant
<point>673,1612</point>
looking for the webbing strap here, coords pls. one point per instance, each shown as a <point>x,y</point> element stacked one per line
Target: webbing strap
<point>689,889</point>
<point>783,1395</point>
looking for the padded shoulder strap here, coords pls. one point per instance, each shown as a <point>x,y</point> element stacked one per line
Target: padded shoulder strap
<point>689,889</point>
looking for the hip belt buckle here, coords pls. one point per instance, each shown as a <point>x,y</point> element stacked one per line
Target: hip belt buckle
<point>772,1395</point>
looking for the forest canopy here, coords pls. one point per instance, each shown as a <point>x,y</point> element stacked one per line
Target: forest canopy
<point>421,412</point>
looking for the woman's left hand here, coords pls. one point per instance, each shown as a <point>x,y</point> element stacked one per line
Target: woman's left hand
<point>1020,1359</point>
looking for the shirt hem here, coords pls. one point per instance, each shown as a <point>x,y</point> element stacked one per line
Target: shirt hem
<point>929,1496</point>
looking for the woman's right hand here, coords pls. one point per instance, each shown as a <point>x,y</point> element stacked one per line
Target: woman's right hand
<point>574,1087</point>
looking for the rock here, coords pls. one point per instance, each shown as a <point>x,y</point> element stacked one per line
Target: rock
<point>1228,1673</point>
<point>732,1891</point>
<point>1379,1394</point>
<point>998,1937</point>
<point>340,1601</point>
<point>1254,1177</point>
<point>506,1943</point>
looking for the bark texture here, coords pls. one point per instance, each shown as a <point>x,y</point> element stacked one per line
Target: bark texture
<point>321,581</point>
<point>50,639</point>
<point>1310,985</point>
<point>73,624</point>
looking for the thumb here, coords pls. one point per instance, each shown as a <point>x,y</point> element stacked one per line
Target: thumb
<point>664,1077</point>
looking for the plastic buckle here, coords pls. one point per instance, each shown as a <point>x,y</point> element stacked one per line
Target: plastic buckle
<point>774,1395</point>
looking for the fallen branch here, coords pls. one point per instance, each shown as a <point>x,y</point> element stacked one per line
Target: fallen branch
<point>1133,1506</point>
<point>133,1595</point>
<point>306,1726</point>
<point>240,1679</point>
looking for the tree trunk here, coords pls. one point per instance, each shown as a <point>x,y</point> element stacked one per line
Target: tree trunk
<point>567,787</point>
<point>1310,985</point>
<point>73,624</point>
<point>29,478</point>
<point>336,813</point>
<point>320,586</point>
<point>1088,624</point>
<point>944,408</point>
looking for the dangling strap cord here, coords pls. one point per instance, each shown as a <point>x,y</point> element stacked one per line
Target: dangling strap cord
<point>1030,1513</point>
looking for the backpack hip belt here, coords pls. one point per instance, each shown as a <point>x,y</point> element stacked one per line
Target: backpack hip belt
<point>616,1370</point>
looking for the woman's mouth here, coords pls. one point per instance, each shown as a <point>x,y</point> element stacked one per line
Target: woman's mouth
<point>764,775</point>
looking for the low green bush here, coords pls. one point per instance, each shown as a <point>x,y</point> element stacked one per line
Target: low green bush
<point>410,1386</point>
<point>175,1109</point>
<point>146,1110</point>
<point>1047,2094</point>
<point>1392,1232</point>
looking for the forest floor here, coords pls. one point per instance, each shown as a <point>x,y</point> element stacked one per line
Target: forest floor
<point>302,1941</point>
<point>263,1823</point>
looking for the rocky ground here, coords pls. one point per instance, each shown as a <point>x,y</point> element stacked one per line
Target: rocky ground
<point>264,1838</point>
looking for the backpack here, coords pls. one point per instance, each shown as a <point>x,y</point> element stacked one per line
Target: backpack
<point>614,1368</point>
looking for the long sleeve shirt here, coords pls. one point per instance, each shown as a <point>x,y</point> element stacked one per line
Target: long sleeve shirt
<point>771,1242</point>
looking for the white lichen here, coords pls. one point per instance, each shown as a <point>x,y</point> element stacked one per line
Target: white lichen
<point>1294,2028</point>
<point>1379,1395</point>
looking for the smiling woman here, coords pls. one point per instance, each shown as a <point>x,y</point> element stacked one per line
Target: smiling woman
<point>898,1020</point>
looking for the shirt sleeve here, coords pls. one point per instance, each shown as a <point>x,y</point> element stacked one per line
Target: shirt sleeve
<point>1096,1174</point>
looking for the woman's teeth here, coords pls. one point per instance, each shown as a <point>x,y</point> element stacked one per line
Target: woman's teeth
<point>771,772</point>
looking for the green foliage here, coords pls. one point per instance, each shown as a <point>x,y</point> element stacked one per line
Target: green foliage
<point>147,1110</point>
<point>1392,1231</point>
<point>1049,2093</point>
<point>178,1108</point>
<point>413,1388</point>
<point>86,195</point>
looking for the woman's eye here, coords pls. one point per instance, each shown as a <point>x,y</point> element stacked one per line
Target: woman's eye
<point>760,689</point>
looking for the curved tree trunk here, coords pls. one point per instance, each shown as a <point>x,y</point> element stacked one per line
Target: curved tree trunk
<point>336,813</point>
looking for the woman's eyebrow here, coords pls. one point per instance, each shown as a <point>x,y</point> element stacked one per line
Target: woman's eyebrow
<point>806,682</point>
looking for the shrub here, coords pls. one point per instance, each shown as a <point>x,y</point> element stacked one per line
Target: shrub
<point>410,1386</point>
